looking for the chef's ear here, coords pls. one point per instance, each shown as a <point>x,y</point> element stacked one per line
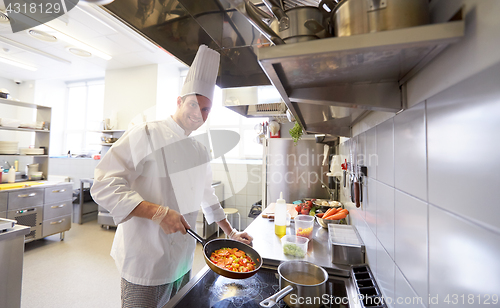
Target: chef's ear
<point>179,101</point>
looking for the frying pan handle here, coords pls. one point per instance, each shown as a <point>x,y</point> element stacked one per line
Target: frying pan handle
<point>196,236</point>
<point>273,299</point>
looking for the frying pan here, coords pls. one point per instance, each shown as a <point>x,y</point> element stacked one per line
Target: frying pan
<point>213,245</point>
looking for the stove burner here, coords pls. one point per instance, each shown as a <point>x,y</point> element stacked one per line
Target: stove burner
<point>238,292</point>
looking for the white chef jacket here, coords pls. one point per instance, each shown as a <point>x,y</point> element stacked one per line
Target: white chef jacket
<point>132,172</point>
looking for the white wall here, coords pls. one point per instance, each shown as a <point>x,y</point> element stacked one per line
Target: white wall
<point>52,93</point>
<point>130,92</point>
<point>430,204</point>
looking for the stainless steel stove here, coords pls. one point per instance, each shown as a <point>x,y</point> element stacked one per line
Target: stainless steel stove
<point>208,290</point>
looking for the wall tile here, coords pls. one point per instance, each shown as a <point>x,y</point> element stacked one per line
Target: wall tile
<point>385,217</point>
<point>404,296</point>
<point>370,241</point>
<point>463,258</point>
<point>371,204</point>
<point>463,146</point>
<point>410,240</point>
<point>410,165</point>
<point>371,159</point>
<point>385,152</point>
<point>385,272</point>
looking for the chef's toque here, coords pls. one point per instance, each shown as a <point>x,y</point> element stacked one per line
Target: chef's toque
<point>202,74</point>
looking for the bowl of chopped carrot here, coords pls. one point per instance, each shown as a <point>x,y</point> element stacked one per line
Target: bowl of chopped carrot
<point>331,216</point>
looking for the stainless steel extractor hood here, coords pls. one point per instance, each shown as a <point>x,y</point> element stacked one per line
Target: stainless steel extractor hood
<point>328,84</point>
<point>263,101</point>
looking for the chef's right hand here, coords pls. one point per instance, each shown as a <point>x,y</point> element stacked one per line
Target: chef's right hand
<point>170,220</point>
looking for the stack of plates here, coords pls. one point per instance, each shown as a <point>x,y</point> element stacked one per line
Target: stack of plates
<point>8,147</point>
<point>30,151</point>
<point>9,122</point>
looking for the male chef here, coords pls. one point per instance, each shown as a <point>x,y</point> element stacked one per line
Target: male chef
<point>153,181</point>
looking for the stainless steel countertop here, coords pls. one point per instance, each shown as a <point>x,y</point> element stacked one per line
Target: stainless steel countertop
<point>18,230</point>
<point>268,245</point>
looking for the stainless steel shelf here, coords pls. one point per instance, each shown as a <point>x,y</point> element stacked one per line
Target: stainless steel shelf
<point>21,104</point>
<point>329,84</point>
<point>20,129</point>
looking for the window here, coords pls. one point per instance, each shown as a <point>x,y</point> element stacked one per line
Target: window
<point>223,118</point>
<point>84,115</point>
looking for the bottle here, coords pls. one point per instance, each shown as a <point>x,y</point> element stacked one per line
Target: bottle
<point>11,176</point>
<point>280,217</point>
<point>16,165</point>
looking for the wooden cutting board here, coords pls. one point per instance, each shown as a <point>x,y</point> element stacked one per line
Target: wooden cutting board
<point>268,212</point>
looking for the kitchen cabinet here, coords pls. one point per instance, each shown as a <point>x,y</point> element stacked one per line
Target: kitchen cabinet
<point>46,209</point>
<point>41,136</point>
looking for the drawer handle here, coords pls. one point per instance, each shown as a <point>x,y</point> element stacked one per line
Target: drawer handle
<point>27,195</point>
<point>59,191</point>
<point>57,222</point>
<point>57,206</point>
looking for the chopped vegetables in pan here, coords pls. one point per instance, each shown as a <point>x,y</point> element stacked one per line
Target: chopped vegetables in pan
<point>232,259</point>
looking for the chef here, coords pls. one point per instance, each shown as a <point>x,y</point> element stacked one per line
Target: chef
<point>153,181</point>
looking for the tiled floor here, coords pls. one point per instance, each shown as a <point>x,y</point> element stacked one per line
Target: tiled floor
<point>76,272</point>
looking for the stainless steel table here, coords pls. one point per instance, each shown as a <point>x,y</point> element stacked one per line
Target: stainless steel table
<point>11,265</point>
<point>268,245</point>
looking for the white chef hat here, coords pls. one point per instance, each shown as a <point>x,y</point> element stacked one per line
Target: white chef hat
<point>202,74</point>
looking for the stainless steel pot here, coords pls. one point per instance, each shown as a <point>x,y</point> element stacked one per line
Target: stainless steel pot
<point>305,23</point>
<point>351,17</point>
<point>297,24</point>
<point>302,284</point>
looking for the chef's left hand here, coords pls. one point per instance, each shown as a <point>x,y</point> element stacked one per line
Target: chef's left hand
<point>241,237</point>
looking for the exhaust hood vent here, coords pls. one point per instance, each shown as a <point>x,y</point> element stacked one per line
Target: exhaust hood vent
<point>263,101</point>
<point>267,110</point>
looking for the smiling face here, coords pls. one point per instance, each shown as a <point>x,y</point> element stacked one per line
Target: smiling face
<point>192,111</point>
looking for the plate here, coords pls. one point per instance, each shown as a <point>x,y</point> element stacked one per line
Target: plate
<point>324,202</point>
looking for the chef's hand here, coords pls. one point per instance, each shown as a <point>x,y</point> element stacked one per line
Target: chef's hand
<point>241,237</point>
<point>170,220</point>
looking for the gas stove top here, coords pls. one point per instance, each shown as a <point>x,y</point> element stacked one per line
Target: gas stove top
<point>212,290</point>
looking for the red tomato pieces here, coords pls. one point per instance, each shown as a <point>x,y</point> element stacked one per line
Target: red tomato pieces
<point>232,259</point>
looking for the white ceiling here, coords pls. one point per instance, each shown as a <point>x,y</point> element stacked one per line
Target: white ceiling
<point>89,24</point>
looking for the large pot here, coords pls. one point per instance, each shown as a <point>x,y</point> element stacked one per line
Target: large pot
<point>302,284</point>
<point>305,24</point>
<point>351,17</point>
<point>301,23</point>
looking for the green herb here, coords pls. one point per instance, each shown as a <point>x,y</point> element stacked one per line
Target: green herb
<point>293,250</point>
<point>296,132</point>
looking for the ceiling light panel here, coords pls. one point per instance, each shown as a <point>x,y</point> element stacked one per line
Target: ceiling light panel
<point>17,64</point>
<point>42,36</point>
<point>73,41</point>
<point>79,52</point>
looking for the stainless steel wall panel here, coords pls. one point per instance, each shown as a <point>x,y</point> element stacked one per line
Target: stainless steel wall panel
<point>410,240</point>
<point>385,217</point>
<point>410,156</point>
<point>463,259</point>
<point>463,146</point>
<point>3,214</point>
<point>385,152</point>
<point>295,170</point>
